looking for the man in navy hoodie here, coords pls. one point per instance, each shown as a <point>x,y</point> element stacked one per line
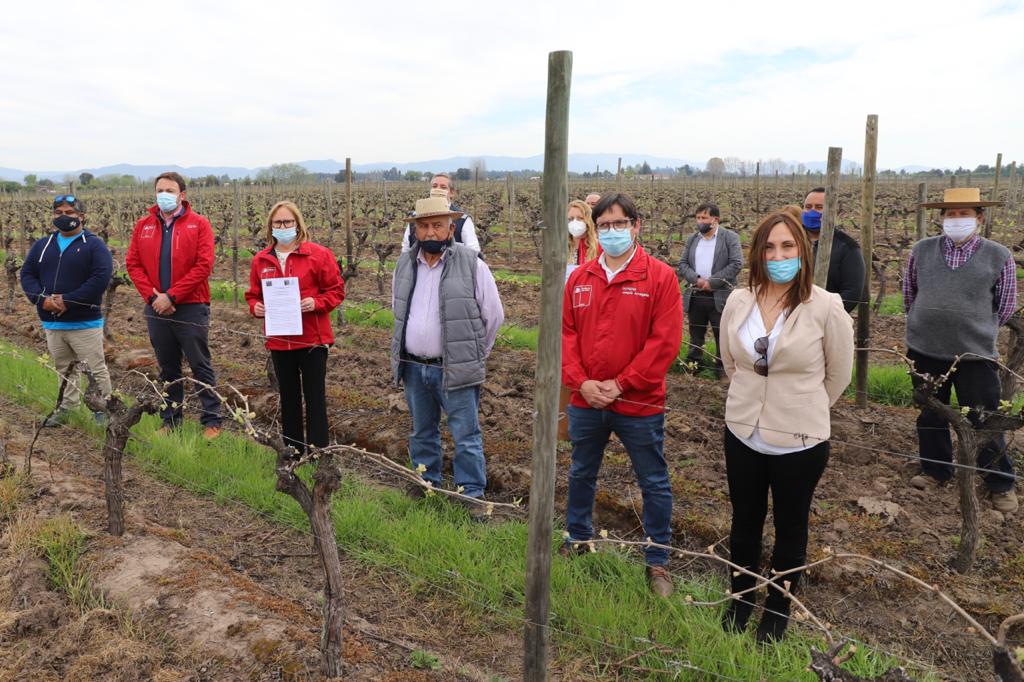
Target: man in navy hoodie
<point>65,275</point>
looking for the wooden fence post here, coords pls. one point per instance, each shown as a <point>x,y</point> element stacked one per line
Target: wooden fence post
<point>757,188</point>
<point>994,197</point>
<point>329,203</point>
<point>234,243</point>
<point>618,176</point>
<point>549,369</point>
<point>922,197</point>
<point>510,187</point>
<point>867,245</point>
<point>349,265</point>
<point>828,220</point>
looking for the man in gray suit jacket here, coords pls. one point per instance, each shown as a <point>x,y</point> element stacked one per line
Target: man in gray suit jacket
<point>712,258</point>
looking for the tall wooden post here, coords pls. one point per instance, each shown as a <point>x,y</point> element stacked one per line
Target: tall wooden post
<point>349,265</point>
<point>618,176</point>
<point>828,220</point>
<point>757,187</point>
<point>994,196</point>
<point>1011,189</point>
<point>867,246</point>
<point>922,197</point>
<point>234,242</point>
<point>329,205</point>
<point>549,369</point>
<point>510,189</point>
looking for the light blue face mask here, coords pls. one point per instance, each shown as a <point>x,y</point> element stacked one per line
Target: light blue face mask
<point>783,271</point>
<point>285,235</point>
<point>166,201</point>
<point>615,242</point>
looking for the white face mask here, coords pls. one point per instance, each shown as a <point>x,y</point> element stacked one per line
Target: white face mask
<point>959,229</point>
<point>577,228</point>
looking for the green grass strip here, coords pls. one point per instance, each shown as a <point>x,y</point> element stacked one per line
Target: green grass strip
<point>601,608</point>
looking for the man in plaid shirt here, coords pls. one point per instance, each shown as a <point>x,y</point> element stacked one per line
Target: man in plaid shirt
<point>959,288</point>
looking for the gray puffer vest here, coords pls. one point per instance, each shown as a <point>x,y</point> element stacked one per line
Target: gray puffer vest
<point>462,328</point>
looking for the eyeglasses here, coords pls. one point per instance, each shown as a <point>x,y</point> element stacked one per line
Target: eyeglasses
<point>284,223</point>
<point>64,199</point>
<point>761,363</point>
<point>614,225</point>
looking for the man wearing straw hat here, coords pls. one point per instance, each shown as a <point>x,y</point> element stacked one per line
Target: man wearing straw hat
<point>447,315</point>
<point>958,290</point>
<point>442,185</point>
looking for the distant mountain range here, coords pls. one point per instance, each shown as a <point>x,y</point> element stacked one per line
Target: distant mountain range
<point>578,163</point>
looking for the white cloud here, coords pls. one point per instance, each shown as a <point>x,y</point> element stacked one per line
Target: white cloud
<point>254,83</point>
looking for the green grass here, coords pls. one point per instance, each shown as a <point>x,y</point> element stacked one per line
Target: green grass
<point>601,608</point>
<point>892,305</point>
<point>62,541</point>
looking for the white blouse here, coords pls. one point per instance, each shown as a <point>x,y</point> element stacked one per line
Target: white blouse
<point>752,329</point>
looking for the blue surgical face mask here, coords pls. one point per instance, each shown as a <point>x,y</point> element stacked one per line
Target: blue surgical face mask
<point>812,220</point>
<point>783,271</point>
<point>285,235</point>
<point>616,242</point>
<point>167,201</point>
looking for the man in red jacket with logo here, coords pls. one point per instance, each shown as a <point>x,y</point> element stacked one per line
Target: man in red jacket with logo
<point>170,259</point>
<point>622,325</point>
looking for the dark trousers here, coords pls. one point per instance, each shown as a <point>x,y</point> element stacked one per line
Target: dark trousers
<point>977,385</point>
<point>186,332</point>
<point>302,374</point>
<point>791,479</point>
<point>702,314</point>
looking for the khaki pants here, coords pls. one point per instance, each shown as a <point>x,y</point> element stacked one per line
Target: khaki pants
<point>70,346</point>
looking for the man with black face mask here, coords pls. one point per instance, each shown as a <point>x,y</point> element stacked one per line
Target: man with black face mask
<point>65,275</point>
<point>846,264</point>
<point>447,315</point>
<point>712,258</point>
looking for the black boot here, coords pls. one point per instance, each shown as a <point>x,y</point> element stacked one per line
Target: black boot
<point>772,627</point>
<point>737,613</point>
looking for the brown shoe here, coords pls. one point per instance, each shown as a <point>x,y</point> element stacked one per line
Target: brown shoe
<point>211,432</point>
<point>924,482</point>
<point>660,581</point>
<point>570,550</point>
<point>1005,502</point>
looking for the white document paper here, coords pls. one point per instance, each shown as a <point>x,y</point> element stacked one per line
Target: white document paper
<point>283,311</point>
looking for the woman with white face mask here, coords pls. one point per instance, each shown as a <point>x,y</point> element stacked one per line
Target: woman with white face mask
<point>958,290</point>
<point>583,246</point>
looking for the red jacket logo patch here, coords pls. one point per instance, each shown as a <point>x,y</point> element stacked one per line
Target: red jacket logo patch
<point>581,294</point>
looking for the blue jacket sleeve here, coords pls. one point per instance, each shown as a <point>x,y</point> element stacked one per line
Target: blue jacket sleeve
<point>90,292</point>
<point>30,283</point>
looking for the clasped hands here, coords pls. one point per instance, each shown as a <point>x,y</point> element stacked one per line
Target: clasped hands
<point>600,394</point>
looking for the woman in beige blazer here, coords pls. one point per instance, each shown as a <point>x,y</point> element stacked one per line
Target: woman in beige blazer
<point>787,347</point>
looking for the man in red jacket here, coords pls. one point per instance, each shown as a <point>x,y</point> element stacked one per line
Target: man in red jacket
<point>169,260</point>
<point>622,325</point>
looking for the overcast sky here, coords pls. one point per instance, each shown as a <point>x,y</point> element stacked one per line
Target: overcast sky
<point>249,83</point>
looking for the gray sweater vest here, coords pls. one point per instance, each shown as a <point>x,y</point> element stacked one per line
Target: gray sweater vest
<point>955,311</point>
<point>463,337</point>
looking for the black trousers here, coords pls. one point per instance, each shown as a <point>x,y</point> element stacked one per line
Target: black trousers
<point>977,385</point>
<point>702,314</point>
<point>185,333</point>
<point>302,374</point>
<point>791,479</point>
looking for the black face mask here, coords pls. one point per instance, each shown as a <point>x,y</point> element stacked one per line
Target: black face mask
<point>433,245</point>
<point>704,227</point>
<point>67,223</point>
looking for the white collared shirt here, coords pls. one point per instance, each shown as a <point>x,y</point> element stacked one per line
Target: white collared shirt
<point>609,273</point>
<point>704,255</point>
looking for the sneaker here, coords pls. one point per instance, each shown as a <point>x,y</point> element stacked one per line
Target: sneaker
<point>660,581</point>
<point>211,432</point>
<point>737,614</point>
<point>100,417</point>
<point>476,507</point>
<point>166,429</point>
<point>1005,502</point>
<point>925,482</point>
<point>56,419</point>
<point>772,628</point>
<point>571,550</point>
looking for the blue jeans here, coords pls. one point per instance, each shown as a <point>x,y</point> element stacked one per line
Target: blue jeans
<point>426,397</point>
<point>644,439</point>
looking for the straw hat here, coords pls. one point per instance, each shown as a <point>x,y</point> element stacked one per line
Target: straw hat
<point>961,197</point>
<point>433,207</point>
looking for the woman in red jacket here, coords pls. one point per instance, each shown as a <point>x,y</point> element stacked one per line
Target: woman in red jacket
<point>300,361</point>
